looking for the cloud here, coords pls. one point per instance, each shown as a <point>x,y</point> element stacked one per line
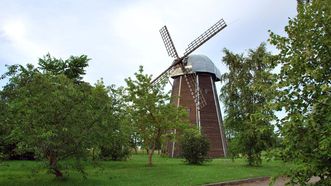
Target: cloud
<point>137,27</point>
<point>15,34</point>
<point>14,30</point>
<point>121,35</point>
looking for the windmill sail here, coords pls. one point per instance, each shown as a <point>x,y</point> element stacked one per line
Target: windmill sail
<point>168,43</point>
<point>212,31</point>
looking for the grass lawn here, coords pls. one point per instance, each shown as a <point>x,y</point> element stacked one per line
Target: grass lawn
<point>166,171</point>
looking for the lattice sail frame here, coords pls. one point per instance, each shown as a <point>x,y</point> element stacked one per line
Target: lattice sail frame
<point>209,33</point>
<point>168,43</point>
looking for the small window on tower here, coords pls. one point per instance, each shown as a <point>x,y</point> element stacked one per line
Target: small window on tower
<point>188,112</point>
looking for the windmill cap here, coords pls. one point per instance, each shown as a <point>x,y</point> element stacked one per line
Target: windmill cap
<point>199,63</point>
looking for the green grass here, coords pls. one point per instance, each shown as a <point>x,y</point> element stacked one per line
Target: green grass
<point>166,171</point>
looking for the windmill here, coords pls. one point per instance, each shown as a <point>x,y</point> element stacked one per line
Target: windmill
<point>194,89</point>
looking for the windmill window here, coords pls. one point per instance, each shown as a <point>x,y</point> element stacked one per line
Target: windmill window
<point>188,111</point>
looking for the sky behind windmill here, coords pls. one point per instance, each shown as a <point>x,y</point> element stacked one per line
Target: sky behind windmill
<point>121,35</point>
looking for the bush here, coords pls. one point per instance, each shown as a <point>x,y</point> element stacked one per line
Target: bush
<point>195,147</point>
<point>116,151</point>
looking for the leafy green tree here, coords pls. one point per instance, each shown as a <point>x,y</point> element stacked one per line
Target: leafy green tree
<point>304,91</point>
<point>195,146</point>
<point>247,95</point>
<point>152,114</point>
<point>57,116</point>
<point>51,120</point>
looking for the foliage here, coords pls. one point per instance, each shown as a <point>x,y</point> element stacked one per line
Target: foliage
<point>305,89</point>
<point>115,151</point>
<point>53,128</point>
<point>57,116</point>
<point>195,146</point>
<point>8,144</point>
<point>247,95</point>
<point>113,131</point>
<point>73,68</point>
<point>151,113</point>
<point>3,128</point>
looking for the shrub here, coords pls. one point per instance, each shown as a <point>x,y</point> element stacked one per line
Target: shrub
<point>195,147</point>
<point>118,150</point>
<point>115,153</point>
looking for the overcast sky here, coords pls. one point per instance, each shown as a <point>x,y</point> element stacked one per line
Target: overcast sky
<point>121,35</point>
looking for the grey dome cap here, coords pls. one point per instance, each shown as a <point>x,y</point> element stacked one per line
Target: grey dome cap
<point>199,63</point>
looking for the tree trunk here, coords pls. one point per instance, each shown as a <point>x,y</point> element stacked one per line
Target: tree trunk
<point>150,155</point>
<point>53,165</point>
<point>93,154</point>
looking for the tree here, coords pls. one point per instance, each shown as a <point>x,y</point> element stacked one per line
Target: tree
<point>54,128</point>
<point>195,146</point>
<point>152,114</point>
<point>304,85</point>
<point>57,116</point>
<point>247,95</point>
<point>20,76</point>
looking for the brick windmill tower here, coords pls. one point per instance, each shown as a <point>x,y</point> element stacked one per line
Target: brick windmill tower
<point>194,89</point>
